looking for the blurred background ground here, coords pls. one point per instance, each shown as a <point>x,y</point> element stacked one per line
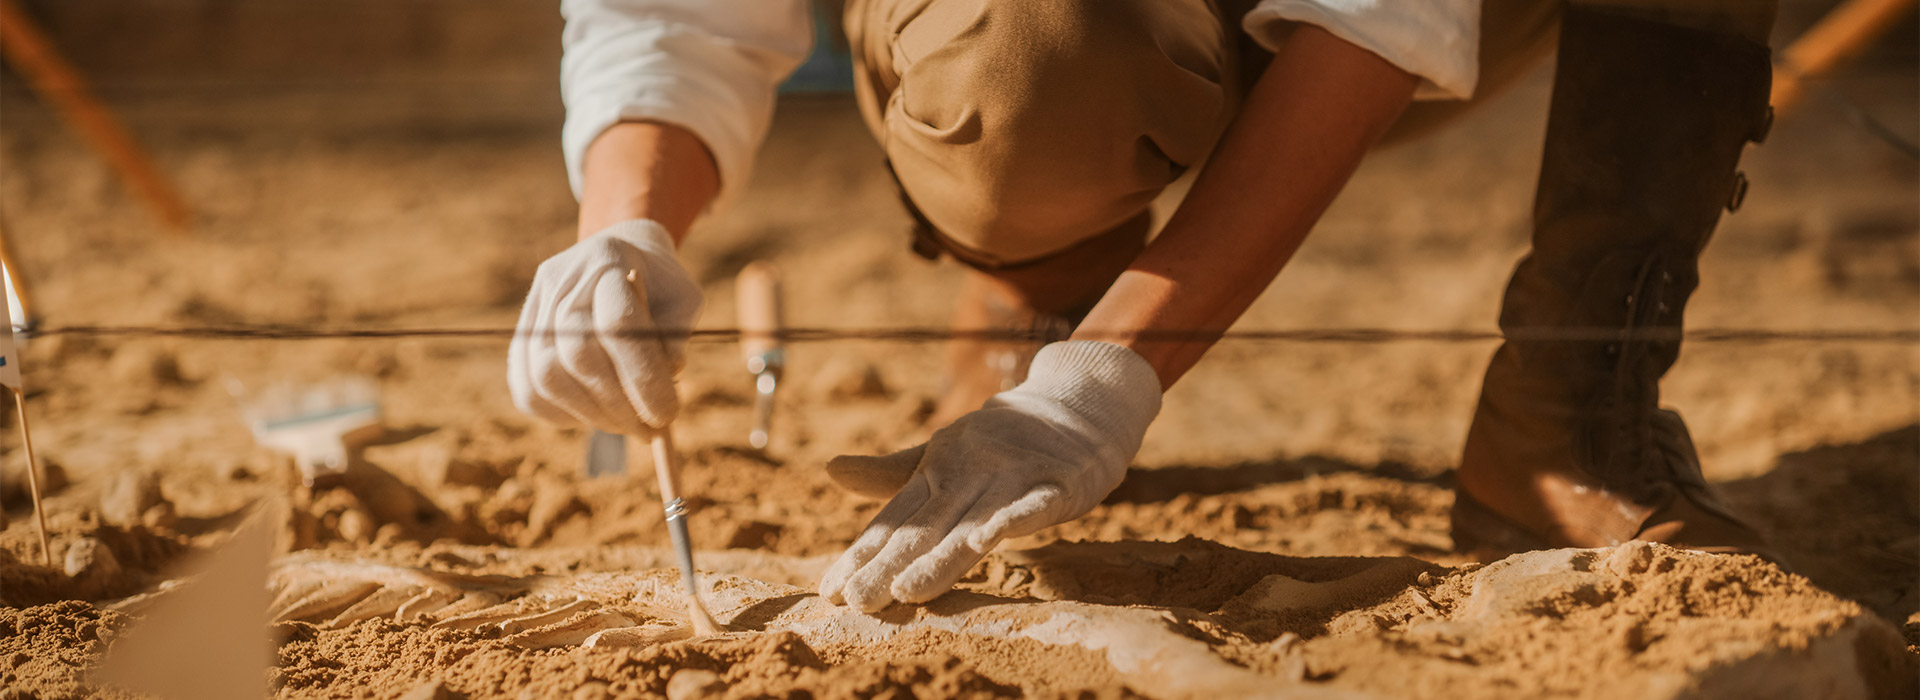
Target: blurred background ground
<point>367,163</point>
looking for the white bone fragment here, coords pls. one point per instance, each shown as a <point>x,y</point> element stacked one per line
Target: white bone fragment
<point>472,601</point>
<point>381,604</point>
<point>424,603</point>
<point>639,636</point>
<point>328,601</point>
<point>487,616</point>
<point>546,617</point>
<point>292,593</point>
<point>571,631</point>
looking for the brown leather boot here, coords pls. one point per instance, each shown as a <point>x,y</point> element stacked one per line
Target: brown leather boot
<point>1569,446</point>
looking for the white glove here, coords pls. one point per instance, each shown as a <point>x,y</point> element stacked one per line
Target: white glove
<point>1042,453</point>
<point>570,362</point>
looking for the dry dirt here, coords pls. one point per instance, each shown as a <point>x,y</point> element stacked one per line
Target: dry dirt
<point>1274,468</point>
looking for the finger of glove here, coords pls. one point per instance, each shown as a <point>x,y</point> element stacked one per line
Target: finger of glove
<point>555,391</point>
<point>942,566</point>
<point>585,381</point>
<point>874,538</point>
<point>673,298</point>
<point>871,587</point>
<point>639,361</point>
<point>528,335</point>
<point>1038,509</point>
<point>876,477</point>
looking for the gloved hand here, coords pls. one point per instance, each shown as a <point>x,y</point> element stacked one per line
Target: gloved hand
<point>1042,453</point>
<point>569,362</point>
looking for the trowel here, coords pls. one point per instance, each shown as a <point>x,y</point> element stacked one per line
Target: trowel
<point>315,423</point>
<point>757,294</point>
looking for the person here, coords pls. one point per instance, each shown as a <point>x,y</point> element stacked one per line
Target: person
<point>1028,138</point>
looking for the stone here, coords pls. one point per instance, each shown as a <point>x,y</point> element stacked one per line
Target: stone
<point>1634,557</point>
<point>694,684</point>
<point>356,526</point>
<point>128,497</point>
<point>389,534</point>
<point>159,517</point>
<point>594,690</point>
<point>92,564</point>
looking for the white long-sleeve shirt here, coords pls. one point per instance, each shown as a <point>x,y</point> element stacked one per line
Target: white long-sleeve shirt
<point>712,66</point>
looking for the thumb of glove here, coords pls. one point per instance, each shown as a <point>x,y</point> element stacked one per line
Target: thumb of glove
<point>876,477</point>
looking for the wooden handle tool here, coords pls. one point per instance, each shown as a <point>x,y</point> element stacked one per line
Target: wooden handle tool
<point>757,291</point>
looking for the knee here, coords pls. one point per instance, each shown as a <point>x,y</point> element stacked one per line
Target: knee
<point>1020,128</point>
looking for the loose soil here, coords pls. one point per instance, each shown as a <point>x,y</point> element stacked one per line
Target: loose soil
<point>1272,463</point>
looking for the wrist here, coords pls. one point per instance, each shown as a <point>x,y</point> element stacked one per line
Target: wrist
<point>646,170</point>
<point>1108,386</point>
<point>645,234</point>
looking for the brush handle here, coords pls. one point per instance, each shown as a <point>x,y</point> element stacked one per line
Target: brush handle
<point>33,472</point>
<point>666,465</point>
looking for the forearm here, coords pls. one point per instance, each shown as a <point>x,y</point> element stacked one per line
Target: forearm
<point>646,170</point>
<point>1310,118</point>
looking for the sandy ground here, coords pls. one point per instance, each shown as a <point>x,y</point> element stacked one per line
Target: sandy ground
<point>1312,463</point>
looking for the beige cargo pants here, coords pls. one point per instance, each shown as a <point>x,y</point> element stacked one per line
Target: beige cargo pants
<point>1019,129</point>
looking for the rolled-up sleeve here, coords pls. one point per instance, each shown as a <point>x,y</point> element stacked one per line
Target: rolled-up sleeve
<point>709,66</point>
<point>1438,40</point>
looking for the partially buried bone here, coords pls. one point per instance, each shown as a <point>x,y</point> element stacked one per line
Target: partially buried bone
<point>575,630</point>
<point>1149,647</point>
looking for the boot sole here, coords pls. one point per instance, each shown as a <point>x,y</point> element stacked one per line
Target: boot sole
<point>1483,534</point>
<point>1487,536</point>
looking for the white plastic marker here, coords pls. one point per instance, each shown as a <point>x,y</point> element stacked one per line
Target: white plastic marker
<point>16,308</point>
<point>10,376</point>
<point>316,423</point>
<point>19,301</point>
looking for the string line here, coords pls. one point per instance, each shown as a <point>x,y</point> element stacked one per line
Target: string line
<point>1351,335</point>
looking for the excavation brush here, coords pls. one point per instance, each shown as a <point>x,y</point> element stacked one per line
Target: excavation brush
<point>666,465</point>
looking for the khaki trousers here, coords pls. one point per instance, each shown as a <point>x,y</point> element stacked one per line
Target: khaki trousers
<point>1018,129</point>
